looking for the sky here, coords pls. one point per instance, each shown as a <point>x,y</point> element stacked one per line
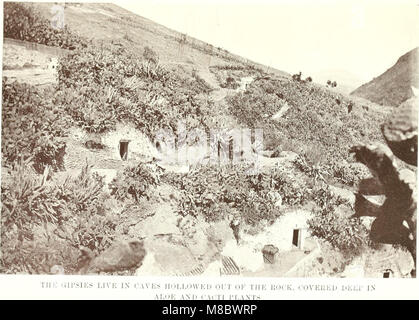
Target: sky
<point>361,38</point>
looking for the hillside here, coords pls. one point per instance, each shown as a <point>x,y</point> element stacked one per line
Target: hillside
<point>395,85</point>
<point>111,22</point>
<point>85,165</point>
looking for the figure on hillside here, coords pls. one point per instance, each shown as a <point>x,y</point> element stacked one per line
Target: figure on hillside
<point>350,106</point>
<point>235,226</point>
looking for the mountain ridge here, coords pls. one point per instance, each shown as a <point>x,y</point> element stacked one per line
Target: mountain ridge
<point>394,86</point>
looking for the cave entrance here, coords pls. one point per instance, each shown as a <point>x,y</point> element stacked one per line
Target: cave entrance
<point>123,149</point>
<point>296,238</point>
<point>387,274</point>
<point>231,149</point>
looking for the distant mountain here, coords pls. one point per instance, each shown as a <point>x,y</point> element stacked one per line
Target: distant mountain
<point>347,81</point>
<point>395,85</point>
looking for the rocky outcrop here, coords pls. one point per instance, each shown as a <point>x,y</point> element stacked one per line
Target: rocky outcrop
<point>395,220</point>
<point>118,257</point>
<point>401,131</point>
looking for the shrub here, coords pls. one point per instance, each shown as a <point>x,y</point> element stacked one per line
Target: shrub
<point>316,172</point>
<point>31,127</point>
<point>269,88</point>
<point>29,200</point>
<point>135,182</point>
<point>293,190</point>
<point>82,192</point>
<point>297,76</point>
<point>89,225</point>
<point>215,191</point>
<point>347,234</point>
<point>323,197</point>
<point>94,231</point>
<point>105,84</point>
<point>228,67</point>
<point>331,84</point>
<point>22,22</point>
<point>348,174</point>
<point>230,83</point>
<point>75,210</point>
<point>32,257</point>
<point>150,55</point>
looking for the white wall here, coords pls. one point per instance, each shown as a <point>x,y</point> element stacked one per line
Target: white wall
<point>138,147</point>
<point>282,231</point>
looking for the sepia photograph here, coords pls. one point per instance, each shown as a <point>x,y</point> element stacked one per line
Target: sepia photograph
<point>238,139</point>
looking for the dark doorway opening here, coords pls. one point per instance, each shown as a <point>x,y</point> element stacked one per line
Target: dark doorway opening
<point>230,149</point>
<point>387,274</point>
<point>123,149</point>
<point>296,235</point>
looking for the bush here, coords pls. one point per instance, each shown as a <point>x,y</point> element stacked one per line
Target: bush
<point>22,22</point>
<point>347,234</point>
<point>297,77</point>
<point>105,84</point>
<point>93,231</point>
<point>348,174</point>
<point>331,84</point>
<point>316,172</point>
<point>31,257</point>
<point>89,225</point>
<point>230,83</point>
<point>214,192</point>
<point>135,182</point>
<point>31,127</point>
<point>82,193</point>
<point>74,210</point>
<point>293,190</point>
<point>150,55</point>
<point>29,200</point>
